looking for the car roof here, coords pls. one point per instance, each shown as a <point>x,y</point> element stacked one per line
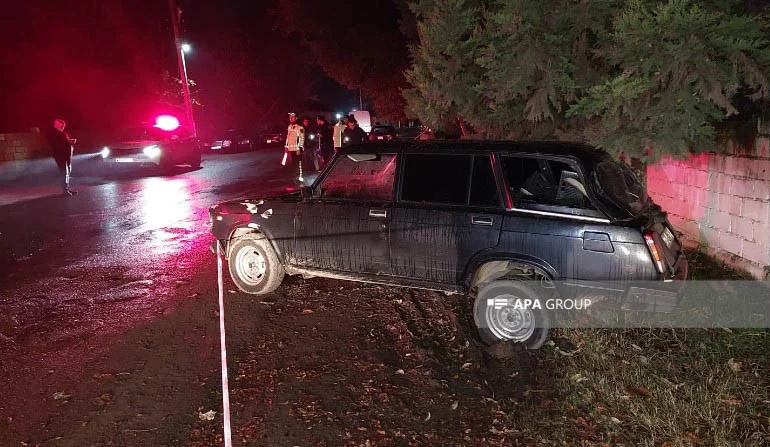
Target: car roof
<point>581,151</point>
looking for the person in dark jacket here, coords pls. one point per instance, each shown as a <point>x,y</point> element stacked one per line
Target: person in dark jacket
<point>61,146</point>
<point>325,137</point>
<point>309,158</point>
<point>353,134</point>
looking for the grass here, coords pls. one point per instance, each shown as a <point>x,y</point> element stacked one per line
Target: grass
<point>662,387</point>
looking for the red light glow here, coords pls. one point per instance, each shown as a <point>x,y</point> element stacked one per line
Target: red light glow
<point>167,123</point>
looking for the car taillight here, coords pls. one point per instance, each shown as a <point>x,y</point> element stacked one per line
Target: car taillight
<point>654,251</point>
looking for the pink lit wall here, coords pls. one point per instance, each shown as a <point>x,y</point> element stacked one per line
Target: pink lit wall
<point>720,202</point>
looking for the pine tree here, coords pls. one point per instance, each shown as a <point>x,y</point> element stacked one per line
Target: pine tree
<point>626,75</point>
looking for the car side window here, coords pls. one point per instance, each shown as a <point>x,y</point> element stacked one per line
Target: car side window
<point>361,177</point>
<point>436,178</point>
<point>545,182</point>
<point>483,185</point>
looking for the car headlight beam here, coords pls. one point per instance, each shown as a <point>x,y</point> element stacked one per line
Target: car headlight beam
<point>152,151</point>
<point>105,152</point>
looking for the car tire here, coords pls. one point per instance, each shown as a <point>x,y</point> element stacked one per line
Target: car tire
<point>196,163</point>
<point>498,320</point>
<point>254,265</point>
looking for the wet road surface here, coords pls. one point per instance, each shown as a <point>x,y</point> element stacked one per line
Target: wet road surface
<point>79,274</point>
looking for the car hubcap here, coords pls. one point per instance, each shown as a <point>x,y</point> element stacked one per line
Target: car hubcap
<point>509,322</point>
<point>250,265</point>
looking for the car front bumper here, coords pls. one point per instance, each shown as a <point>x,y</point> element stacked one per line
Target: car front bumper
<point>132,160</point>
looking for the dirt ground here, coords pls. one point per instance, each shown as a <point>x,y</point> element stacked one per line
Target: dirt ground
<point>331,363</point>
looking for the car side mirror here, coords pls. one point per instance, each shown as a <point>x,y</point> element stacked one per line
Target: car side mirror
<point>307,192</point>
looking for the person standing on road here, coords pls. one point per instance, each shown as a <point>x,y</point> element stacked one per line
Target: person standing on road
<point>325,144</point>
<point>309,159</point>
<point>353,134</point>
<point>295,141</point>
<point>338,129</point>
<point>61,146</point>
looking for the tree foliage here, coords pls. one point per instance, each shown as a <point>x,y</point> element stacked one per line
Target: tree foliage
<point>626,75</point>
<point>359,47</point>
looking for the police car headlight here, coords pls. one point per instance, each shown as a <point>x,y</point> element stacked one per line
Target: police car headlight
<point>312,136</point>
<point>105,152</point>
<point>151,151</point>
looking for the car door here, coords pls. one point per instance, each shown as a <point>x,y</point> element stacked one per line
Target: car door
<point>441,221</point>
<point>344,227</point>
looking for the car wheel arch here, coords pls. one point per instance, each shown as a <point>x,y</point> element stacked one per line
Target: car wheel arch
<point>491,267</point>
<point>250,232</point>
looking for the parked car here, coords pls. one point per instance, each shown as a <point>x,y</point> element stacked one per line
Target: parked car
<point>273,137</point>
<point>382,133</point>
<point>494,219</point>
<point>150,145</point>
<point>233,140</point>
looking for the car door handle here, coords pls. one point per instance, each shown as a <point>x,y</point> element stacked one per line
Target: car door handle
<point>485,221</point>
<point>378,214</point>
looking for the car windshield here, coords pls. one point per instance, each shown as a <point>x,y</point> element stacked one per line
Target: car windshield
<point>620,185</point>
<point>151,133</point>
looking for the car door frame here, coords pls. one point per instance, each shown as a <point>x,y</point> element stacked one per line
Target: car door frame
<point>456,278</point>
<point>375,213</point>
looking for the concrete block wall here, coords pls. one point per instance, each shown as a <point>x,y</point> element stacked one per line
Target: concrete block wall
<point>721,202</point>
<point>22,146</point>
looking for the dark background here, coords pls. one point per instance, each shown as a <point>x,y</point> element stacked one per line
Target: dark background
<point>100,63</point>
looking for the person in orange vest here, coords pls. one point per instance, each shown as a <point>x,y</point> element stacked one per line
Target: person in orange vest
<point>295,142</point>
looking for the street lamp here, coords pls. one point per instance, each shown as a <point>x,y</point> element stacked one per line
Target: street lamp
<point>186,48</point>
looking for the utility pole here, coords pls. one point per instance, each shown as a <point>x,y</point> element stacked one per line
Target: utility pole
<point>175,13</point>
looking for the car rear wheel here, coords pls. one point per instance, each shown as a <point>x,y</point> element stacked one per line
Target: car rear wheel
<point>505,311</point>
<point>254,266</point>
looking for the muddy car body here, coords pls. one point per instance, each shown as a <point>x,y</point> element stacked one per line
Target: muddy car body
<point>486,218</point>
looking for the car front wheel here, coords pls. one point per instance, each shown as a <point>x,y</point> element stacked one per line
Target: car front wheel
<point>506,311</point>
<point>254,266</point>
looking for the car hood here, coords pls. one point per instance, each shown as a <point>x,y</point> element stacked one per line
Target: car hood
<point>253,206</point>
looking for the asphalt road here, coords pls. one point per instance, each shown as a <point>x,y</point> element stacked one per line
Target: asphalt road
<point>80,276</point>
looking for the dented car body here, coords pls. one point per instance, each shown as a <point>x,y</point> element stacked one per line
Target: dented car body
<point>464,216</point>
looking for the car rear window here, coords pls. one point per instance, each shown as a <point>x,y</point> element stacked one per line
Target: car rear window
<point>544,182</point>
<point>432,178</point>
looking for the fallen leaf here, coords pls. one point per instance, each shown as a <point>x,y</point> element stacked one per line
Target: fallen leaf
<point>734,366</point>
<point>454,405</point>
<point>427,418</point>
<point>637,347</point>
<point>577,378</point>
<point>400,371</point>
<point>615,420</point>
<point>307,311</point>
<point>731,401</point>
<point>466,365</point>
<point>640,391</point>
<point>207,416</point>
<point>59,395</point>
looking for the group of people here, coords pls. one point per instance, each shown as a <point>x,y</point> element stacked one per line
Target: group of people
<point>309,147</point>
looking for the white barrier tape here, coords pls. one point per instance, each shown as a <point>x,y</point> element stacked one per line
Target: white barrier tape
<point>223,349</point>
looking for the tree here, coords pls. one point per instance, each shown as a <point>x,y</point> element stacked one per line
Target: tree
<point>639,76</point>
<point>355,47</point>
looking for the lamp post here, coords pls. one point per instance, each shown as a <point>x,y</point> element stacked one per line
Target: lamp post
<point>181,49</point>
<point>186,48</point>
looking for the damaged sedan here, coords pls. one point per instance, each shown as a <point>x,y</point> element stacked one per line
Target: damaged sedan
<point>504,222</point>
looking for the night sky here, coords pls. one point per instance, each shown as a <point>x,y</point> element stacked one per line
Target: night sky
<point>100,64</point>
